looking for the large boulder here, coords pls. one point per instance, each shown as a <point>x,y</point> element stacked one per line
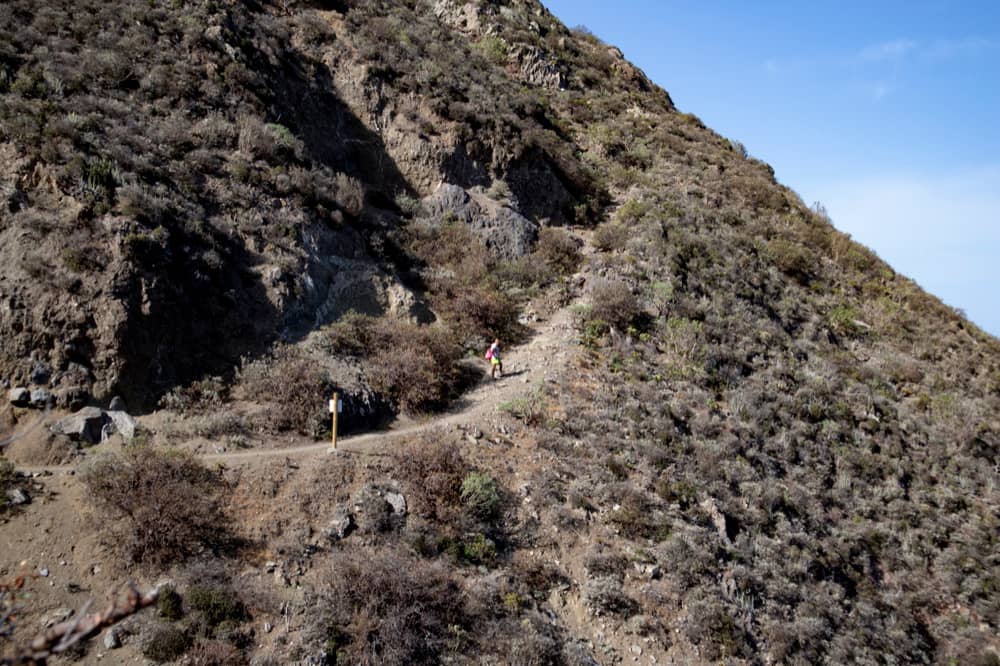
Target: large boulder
<point>124,424</point>
<point>86,425</point>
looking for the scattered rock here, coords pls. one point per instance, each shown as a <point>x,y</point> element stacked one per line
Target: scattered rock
<point>43,572</point>
<point>341,524</point>
<point>124,424</point>
<point>19,396</point>
<point>112,638</point>
<point>85,425</point>
<point>40,373</point>
<point>117,404</point>
<point>41,398</point>
<point>268,627</point>
<point>17,497</point>
<point>397,502</point>
<point>73,397</point>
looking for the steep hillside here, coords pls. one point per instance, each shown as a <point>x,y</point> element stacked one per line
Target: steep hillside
<point>727,432</point>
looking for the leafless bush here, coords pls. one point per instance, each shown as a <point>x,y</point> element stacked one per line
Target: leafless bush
<point>293,385</point>
<point>156,506</point>
<point>610,236</point>
<point>436,471</point>
<point>386,608</point>
<point>557,248</point>
<point>614,303</point>
<point>215,653</point>
<point>414,366</point>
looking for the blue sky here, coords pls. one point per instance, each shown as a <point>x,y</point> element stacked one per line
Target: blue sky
<point>886,112</point>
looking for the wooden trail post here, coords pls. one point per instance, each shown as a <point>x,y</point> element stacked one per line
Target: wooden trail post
<point>335,407</point>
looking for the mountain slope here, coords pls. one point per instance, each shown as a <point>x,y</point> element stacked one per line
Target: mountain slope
<point>760,445</point>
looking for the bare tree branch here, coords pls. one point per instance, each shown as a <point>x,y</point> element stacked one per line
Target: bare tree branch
<point>59,638</point>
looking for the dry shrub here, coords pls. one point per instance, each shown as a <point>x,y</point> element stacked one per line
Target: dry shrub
<point>610,237</point>
<point>157,507</point>
<point>415,367</point>
<point>436,471</point>
<point>483,312</point>
<point>792,259</point>
<point>559,250</point>
<point>464,286</point>
<point>215,653</point>
<point>294,385</point>
<point>386,608</point>
<point>614,303</point>
<point>451,249</point>
<point>166,643</point>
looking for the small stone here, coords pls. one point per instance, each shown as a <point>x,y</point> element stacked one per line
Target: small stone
<point>341,524</point>
<point>17,497</point>
<point>117,405</point>
<point>270,566</point>
<point>112,638</point>
<point>40,373</point>
<point>19,396</point>
<point>397,502</point>
<point>43,572</point>
<point>636,650</point>
<point>42,398</point>
<point>268,627</point>
<point>56,616</point>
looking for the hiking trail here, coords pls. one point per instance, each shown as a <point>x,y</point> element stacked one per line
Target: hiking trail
<point>550,345</point>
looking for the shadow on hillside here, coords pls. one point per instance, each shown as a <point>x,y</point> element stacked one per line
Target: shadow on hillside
<point>189,320</point>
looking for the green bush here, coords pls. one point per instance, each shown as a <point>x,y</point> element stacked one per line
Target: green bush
<point>6,480</point>
<point>481,495</point>
<point>478,549</point>
<point>216,605</point>
<point>169,604</point>
<point>166,643</point>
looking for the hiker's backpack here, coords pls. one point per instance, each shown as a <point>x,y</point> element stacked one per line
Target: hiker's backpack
<point>489,353</point>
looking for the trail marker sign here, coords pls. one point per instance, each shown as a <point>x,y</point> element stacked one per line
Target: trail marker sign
<point>336,406</point>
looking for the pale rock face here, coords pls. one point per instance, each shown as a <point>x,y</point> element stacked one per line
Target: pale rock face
<point>507,233</point>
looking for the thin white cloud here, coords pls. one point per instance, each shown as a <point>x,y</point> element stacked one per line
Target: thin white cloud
<point>891,50</point>
<point>945,49</point>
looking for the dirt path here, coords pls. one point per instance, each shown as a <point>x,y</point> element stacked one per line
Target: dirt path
<point>526,366</point>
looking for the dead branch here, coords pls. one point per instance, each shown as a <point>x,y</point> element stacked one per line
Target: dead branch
<point>59,638</point>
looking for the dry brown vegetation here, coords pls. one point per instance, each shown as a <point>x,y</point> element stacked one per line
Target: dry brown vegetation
<point>768,448</point>
<point>156,507</point>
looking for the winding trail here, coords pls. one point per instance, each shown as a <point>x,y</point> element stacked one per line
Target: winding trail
<point>550,344</point>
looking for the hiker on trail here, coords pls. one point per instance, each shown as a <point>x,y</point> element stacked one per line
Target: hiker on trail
<point>493,356</point>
